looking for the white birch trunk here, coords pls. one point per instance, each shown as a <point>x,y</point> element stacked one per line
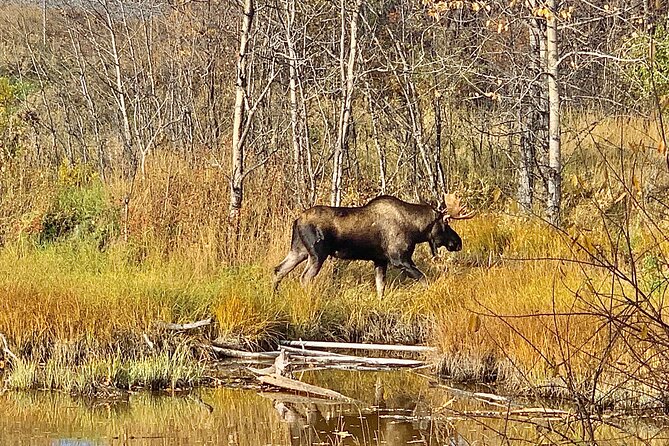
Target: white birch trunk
<point>347,99</point>
<point>528,122</point>
<point>237,177</point>
<point>120,96</point>
<point>289,10</point>
<point>554,163</point>
<point>377,144</point>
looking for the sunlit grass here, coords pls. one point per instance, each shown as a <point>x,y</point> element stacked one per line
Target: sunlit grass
<point>67,292</point>
<point>156,371</point>
<point>489,316</point>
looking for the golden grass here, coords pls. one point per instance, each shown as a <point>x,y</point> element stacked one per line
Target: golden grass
<point>176,370</point>
<point>488,318</point>
<point>507,312</point>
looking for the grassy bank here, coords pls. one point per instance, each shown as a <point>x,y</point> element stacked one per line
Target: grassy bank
<point>71,306</point>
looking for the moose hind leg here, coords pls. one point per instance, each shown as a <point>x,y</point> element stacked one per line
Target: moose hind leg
<point>294,258</point>
<point>297,254</point>
<point>313,240</point>
<point>380,269</point>
<point>314,265</point>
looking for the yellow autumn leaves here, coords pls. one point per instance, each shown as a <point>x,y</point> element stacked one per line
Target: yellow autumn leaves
<point>437,8</point>
<point>545,12</point>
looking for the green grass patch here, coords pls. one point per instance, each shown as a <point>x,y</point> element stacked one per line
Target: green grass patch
<point>176,370</point>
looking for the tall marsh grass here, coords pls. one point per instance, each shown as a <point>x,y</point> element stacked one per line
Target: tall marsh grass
<point>176,370</point>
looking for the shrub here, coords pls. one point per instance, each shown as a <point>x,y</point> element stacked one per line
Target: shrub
<point>651,78</point>
<point>80,209</point>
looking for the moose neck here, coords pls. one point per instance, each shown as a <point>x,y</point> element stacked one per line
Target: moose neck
<point>425,220</point>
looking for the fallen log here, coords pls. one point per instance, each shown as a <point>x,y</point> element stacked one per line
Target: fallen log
<point>306,352</point>
<point>266,371</point>
<point>543,413</point>
<point>183,327</point>
<point>298,386</point>
<point>358,360</point>
<point>489,398</point>
<point>360,346</point>
<point>231,353</point>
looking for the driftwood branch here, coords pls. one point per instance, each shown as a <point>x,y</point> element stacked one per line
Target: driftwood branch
<point>231,353</point>
<point>305,352</point>
<point>289,356</point>
<point>360,346</point>
<point>148,341</point>
<point>489,398</point>
<point>293,398</point>
<point>356,360</point>
<point>183,327</point>
<point>542,413</point>
<point>298,386</point>
<point>6,350</point>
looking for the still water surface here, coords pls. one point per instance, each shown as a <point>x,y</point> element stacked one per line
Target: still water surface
<point>395,408</point>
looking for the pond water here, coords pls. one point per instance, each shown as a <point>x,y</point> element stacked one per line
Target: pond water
<point>393,408</point>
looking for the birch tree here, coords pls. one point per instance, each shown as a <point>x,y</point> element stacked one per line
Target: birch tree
<point>347,66</point>
<point>237,175</point>
<point>554,150</point>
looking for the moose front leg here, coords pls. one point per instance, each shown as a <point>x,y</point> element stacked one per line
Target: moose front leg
<point>407,265</point>
<point>434,248</point>
<point>380,269</point>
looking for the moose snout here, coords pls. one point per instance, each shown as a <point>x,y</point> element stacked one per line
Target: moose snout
<point>454,245</point>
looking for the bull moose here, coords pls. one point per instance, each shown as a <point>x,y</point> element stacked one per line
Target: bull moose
<point>385,231</point>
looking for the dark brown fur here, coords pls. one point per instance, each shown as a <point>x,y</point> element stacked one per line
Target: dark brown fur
<point>385,231</point>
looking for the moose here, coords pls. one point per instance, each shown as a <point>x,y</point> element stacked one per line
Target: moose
<point>385,231</point>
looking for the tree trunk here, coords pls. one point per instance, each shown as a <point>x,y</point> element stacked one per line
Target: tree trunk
<point>347,98</point>
<point>438,168</point>
<point>90,105</point>
<point>298,177</point>
<point>554,164</point>
<point>237,177</point>
<point>412,99</point>
<point>527,155</point>
<point>128,149</point>
<point>381,153</point>
<point>529,121</point>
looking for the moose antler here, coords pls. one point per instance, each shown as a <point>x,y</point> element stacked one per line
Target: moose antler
<point>454,210</point>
